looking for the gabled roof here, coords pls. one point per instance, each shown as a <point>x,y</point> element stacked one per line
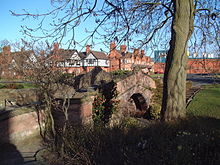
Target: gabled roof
<point>82,55</point>
<point>99,55</point>
<point>65,53</point>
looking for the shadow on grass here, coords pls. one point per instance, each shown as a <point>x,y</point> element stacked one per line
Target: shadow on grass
<point>190,141</point>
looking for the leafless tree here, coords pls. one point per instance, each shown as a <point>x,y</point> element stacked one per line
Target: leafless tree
<point>35,66</point>
<point>168,23</point>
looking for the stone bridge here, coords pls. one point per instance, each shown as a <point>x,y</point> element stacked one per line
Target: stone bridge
<point>134,89</point>
<point>135,93</point>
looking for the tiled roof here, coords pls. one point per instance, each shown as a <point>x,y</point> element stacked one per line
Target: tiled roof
<point>99,55</point>
<point>82,55</point>
<point>66,53</point>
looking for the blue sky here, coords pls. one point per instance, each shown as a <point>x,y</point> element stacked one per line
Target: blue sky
<point>10,28</point>
<point>11,25</point>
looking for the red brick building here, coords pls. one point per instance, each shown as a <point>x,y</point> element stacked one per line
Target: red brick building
<point>12,63</point>
<point>208,65</point>
<point>195,65</point>
<point>124,60</point>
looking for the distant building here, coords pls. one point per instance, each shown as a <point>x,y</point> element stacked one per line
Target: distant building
<point>204,63</point>
<point>125,60</point>
<point>12,63</point>
<point>72,61</point>
<point>160,56</point>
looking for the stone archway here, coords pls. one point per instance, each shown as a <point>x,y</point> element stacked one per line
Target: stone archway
<point>138,105</point>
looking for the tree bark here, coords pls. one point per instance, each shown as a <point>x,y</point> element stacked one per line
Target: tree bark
<point>174,91</point>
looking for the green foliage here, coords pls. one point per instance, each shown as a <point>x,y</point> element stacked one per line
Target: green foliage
<point>155,111</point>
<point>129,122</point>
<point>16,85</point>
<point>2,86</point>
<point>120,73</point>
<point>11,86</point>
<point>155,107</point>
<point>206,103</point>
<point>156,75</point>
<point>105,103</point>
<point>98,109</point>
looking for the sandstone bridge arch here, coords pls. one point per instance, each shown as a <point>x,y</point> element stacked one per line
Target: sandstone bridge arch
<point>135,90</point>
<point>135,94</point>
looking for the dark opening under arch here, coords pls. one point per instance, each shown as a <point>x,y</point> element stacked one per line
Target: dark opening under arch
<point>141,105</point>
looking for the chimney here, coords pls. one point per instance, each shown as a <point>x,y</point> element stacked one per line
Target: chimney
<point>112,46</point>
<point>88,49</point>
<point>142,53</point>
<point>123,48</point>
<point>56,46</point>
<point>7,50</point>
<point>136,52</point>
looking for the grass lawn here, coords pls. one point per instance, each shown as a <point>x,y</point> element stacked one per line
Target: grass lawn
<point>156,75</point>
<point>17,85</point>
<point>206,103</point>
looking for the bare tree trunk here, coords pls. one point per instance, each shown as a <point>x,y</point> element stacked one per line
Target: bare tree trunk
<point>174,92</point>
<point>65,108</point>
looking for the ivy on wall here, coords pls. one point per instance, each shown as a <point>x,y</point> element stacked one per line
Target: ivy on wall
<point>105,103</point>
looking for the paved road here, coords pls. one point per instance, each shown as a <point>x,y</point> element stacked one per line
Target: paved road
<point>203,79</point>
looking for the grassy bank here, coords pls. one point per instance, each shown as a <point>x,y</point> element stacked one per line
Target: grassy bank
<point>206,103</point>
<point>17,85</point>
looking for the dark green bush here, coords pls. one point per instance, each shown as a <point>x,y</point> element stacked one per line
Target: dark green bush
<point>2,86</point>
<point>155,111</point>
<point>185,142</point>
<point>11,86</point>
<point>120,72</point>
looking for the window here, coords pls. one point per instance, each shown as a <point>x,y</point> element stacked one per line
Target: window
<point>91,61</point>
<point>72,63</point>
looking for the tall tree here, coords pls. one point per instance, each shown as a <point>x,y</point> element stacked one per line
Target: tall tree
<point>174,90</point>
<point>168,23</point>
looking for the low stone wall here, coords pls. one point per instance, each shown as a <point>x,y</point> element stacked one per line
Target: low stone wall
<point>19,127</point>
<point>16,126</point>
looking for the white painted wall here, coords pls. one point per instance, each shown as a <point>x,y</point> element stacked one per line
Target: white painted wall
<point>104,63</point>
<point>90,60</point>
<point>74,61</point>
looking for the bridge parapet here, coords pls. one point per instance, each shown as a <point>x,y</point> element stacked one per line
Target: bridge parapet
<point>135,80</point>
